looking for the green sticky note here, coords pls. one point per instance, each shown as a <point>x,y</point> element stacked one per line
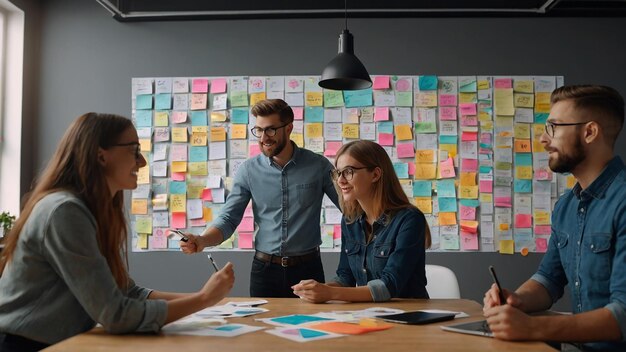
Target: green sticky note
<point>333,98</point>
<point>404,99</point>
<point>239,98</point>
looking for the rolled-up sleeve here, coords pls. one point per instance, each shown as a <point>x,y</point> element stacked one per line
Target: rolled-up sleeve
<point>551,274</point>
<point>617,303</point>
<point>72,250</point>
<point>379,290</point>
<point>235,205</point>
<point>137,292</point>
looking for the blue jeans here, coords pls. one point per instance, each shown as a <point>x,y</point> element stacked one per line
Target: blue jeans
<point>274,280</point>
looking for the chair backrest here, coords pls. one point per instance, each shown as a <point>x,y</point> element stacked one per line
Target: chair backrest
<point>441,282</point>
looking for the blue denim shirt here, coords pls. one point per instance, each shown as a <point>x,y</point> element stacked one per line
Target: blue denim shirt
<point>286,201</point>
<point>393,263</point>
<point>587,249</point>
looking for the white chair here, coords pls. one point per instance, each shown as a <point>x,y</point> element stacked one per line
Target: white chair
<point>441,282</point>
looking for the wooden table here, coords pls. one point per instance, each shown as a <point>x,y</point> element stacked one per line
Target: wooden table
<point>399,338</point>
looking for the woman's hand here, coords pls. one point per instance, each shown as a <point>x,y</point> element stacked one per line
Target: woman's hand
<point>312,291</point>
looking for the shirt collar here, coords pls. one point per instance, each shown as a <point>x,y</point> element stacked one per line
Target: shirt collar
<point>599,186</point>
<point>382,220</point>
<point>294,155</point>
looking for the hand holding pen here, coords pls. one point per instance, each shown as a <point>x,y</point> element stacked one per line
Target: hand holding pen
<point>182,236</point>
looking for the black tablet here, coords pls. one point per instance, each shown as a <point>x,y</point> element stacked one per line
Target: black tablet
<point>417,317</point>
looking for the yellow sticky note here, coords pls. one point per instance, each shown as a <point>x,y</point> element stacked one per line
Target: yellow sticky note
<point>486,125</point>
<point>504,121</point>
<point>199,168</point>
<point>524,172</point>
<point>522,130</point>
<point>450,148</point>
<point>425,156</point>
<point>142,241</point>
<point>425,204</point>
<point>523,86</point>
<point>207,214</point>
<point>538,130</point>
<point>468,98</point>
<point>484,116</point>
<point>194,192</point>
<point>504,227</point>
<point>218,134</point>
<point>468,192</point>
<point>312,130</point>
<point>425,171</point>
<point>179,166</point>
<point>523,100</point>
<point>143,175</point>
<point>257,97</point>
<point>522,146</point>
<point>313,99</point>
<point>143,224</point>
<point>161,119</point>
<point>179,134</point>
<point>198,138</point>
<point>403,132</point>
<point>507,246</point>
<point>238,131</point>
<point>426,99</point>
<point>447,218</point>
<point>218,116</point>
<point>350,130</point>
<point>139,207</point>
<point>486,197</point>
<point>482,84</point>
<point>542,102</point>
<point>468,179</point>
<point>298,138</point>
<point>178,203</point>
<point>145,145</point>
<point>503,98</point>
<point>541,217</point>
<point>538,146</point>
<point>571,181</point>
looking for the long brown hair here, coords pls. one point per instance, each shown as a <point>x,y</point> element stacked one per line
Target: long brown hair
<point>389,197</point>
<point>75,168</point>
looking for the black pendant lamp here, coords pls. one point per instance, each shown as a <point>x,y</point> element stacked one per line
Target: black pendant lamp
<point>345,71</point>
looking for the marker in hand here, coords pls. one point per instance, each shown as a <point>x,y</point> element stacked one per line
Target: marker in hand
<point>181,234</point>
<point>213,263</point>
<point>495,280</point>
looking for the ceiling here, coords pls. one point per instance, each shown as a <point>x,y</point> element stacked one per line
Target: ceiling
<point>157,10</point>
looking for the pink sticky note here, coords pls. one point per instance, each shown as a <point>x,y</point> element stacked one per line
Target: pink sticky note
<point>381,82</point>
<point>381,113</point>
<point>158,239</point>
<point>336,232</point>
<point>298,112</point>
<point>503,83</point>
<point>486,138</point>
<point>197,222</point>
<point>447,100</point>
<point>469,241</point>
<point>543,229</point>
<point>446,168</point>
<point>447,113</point>
<point>469,120</point>
<point>485,186</point>
<point>245,240</point>
<point>469,136</point>
<point>200,85</point>
<point>207,195</point>
<point>178,176</point>
<point>403,85</point>
<point>254,149</point>
<point>385,138</point>
<point>332,148</point>
<point>469,165</point>
<point>411,168</point>
<point>179,220</point>
<point>467,108</point>
<point>179,116</point>
<point>218,85</point>
<point>405,150</point>
<point>541,245</point>
<point>468,213</point>
<point>504,202</point>
<point>246,225</point>
<point>523,221</point>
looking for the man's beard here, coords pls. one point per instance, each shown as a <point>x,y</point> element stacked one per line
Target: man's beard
<point>566,163</point>
<point>278,147</point>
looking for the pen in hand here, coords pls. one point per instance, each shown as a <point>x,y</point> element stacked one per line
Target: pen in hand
<point>213,263</point>
<point>495,280</point>
<point>181,234</point>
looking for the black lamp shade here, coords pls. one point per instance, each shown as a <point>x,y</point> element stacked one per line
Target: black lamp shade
<point>345,71</point>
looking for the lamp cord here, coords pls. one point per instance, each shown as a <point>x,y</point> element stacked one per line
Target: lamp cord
<point>346,12</point>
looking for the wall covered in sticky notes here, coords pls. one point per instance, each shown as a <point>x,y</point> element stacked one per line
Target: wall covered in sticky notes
<point>466,150</point>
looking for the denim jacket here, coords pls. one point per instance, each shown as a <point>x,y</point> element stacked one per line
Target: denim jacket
<point>587,249</point>
<point>392,264</point>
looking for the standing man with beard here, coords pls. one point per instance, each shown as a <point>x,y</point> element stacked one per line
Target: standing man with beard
<point>286,185</point>
<point>587,249</point>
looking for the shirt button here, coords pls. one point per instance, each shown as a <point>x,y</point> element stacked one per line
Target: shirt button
<point>346,251</point>
<point>582,210</point>
<point>365,271</point>
<point>579,307</point>
<point>576,283</point>
<point>578,243</point>
<point>591,246</point>
<point>382,253</point>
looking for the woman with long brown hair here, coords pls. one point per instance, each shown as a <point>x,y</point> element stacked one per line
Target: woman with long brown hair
<point>64,265</point>
<point>383,236</point>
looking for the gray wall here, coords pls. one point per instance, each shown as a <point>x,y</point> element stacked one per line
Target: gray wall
<point>83,60</point>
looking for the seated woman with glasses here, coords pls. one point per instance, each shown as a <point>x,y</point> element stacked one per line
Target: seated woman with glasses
<point>383,236</point>
<point>64,265</point>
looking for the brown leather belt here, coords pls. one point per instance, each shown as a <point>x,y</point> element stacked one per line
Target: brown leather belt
<point>287,261</point>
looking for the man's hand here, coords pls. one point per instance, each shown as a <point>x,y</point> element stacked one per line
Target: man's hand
<point>509,323</point>
<point>194,244</point>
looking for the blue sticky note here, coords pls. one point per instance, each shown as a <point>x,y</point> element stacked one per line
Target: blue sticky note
<point>485,169</point>
<point>468,87</point>
<point>447,204</point>
<point>523,159</point>
<point>445,188</point>
<point>485,145</point>
<point>163,102</point>
<point>385,127</point>
<point>143,118</point>
<point>356,98</point>
<point>228,327</point>
<point>239,115</point>
<point>177,187</point>
<point>523,238</point>
<point>198,153</point>
<point>314,114</point>
<point>307,334</point>
<point>173,243</point>
<point>402,169</point>
<point>541,117</point>
<point>474,203</point>
<point>448,139</point>
<point>428,82</point>
<point>422,188</point>
<point>297,319</point>
<point>199,118</point>
<point>144,102</point>
<point>523,186</point>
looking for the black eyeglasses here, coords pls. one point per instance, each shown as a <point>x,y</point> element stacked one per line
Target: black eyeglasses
<point>135,144</point>
<point>347,172</point>
<point>269,131</point>
<point>550,126</point>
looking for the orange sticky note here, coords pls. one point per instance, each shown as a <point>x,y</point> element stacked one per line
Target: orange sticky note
<point>504,227</point>
<point>425,156</point>
<point>179,166</point>
<point>139,206</point>
<point>218,134</point>
<point>207,214</point>
<point>425,204</point>
<point>425,171</point>
<point>468,192</point>
<point>447,218</point>
<point>522,146</point>
<point>238,131</point>
<point>256,97</point>
<point>313,99</point>
<point>468,179</point>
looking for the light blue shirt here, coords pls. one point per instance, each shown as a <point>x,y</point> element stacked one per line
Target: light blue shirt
<point>286,202</point>
<point>587,249</point>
